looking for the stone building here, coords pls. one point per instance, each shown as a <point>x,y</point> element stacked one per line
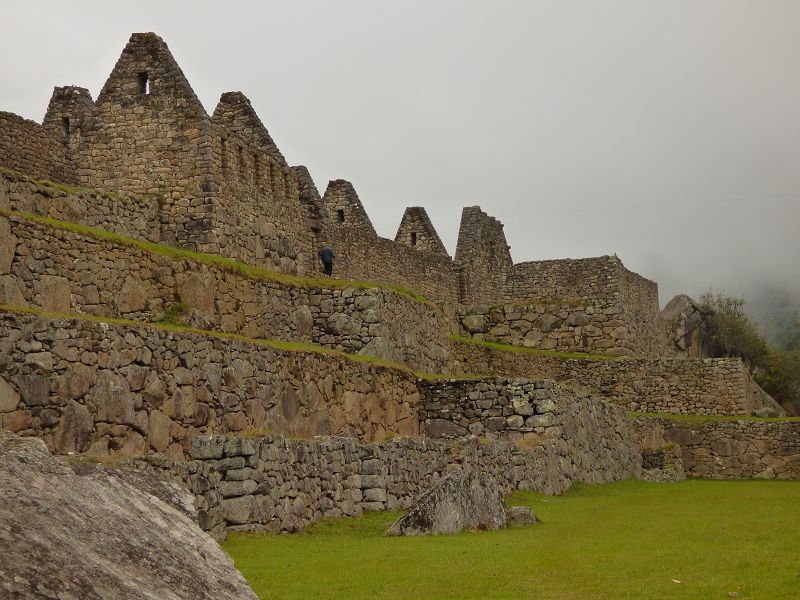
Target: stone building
<point>116,339</point>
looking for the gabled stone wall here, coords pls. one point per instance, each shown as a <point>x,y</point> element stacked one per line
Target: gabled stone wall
<point>482,257</point>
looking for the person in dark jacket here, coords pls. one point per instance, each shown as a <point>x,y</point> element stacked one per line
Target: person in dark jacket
<point>326,255</point>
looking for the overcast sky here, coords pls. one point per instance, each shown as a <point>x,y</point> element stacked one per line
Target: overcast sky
<point>665,132</point>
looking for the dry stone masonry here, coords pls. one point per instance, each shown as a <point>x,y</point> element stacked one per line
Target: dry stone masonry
<point>114,342</point>
<point>60,270</point>
<point>718,386</point>
<point>86,386</point>
<point>276,484</point>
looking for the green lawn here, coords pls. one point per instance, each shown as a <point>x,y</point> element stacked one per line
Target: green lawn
<point>621,540</point>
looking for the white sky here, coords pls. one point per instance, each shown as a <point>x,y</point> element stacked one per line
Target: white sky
<point>665,132</point>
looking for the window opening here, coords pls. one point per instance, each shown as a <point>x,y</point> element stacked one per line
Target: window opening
<point>340,215</point>
<point>65,122</point>
<point>413,238</point>
<point>144,84</point>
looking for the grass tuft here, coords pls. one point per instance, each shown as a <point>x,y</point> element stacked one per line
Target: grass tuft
<point>535,351</point>
<point>185,329</point>
<point>228,264</point>
<point>710,418</point>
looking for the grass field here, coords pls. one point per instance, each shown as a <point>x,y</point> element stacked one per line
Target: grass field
<point>697,539</point>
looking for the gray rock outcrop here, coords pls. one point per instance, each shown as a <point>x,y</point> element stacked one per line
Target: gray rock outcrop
<point>461,500</point>
<point>92,533</point>
<point>521,515</point>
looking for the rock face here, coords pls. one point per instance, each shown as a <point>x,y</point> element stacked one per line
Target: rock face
<point>90,533</point>
<point>685,317</point>
<point>521,515</point>
<point>462,500</point>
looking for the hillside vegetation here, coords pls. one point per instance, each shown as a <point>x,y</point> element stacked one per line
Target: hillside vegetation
<point>728,331</point>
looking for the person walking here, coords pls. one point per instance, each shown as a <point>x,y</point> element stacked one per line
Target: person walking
<point>326,255</point>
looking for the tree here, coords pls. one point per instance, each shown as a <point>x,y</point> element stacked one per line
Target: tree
<point>727,331</point>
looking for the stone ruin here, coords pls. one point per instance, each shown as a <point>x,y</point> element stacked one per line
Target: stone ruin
<point>161,299</point>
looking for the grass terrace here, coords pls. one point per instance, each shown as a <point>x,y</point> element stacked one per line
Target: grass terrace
<point>631,539</point>
<point>169,325</point>
<point>534,351</point>
<point>214,260</point>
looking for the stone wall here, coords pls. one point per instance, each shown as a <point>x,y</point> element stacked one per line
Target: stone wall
<point>258,213</point>
<point>124,213</point>
<point>59,270</point>
<point>86,386</point>
<point>729,449</point>
<point>367,258</point>
<point>149,133</point>
<point>27,147</point>
<point>417,231</point>
<point>720,386</point>
<point>604,286</point>
<point>482,257</point>
<point>519,410</point>
<point>587,279</point>
<point>600,328</point>
<point>276,484</point>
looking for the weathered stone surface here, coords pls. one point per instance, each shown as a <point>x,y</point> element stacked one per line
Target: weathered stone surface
<point>198,290</point>
<point>159,428</point>
<point>132,297</point>
<point>74,430</point>
<point>475,323</point>
<point>241,510</point>
<point>8,243</point>
<point>34,389</point>
<point>53,293</point>
<point>443,428</point>
<point>9,398</point>
<point>10,292</point>
<point>114,401</point>
<point>102,534</point>
<point>521,515</point>
<point>461,500</point>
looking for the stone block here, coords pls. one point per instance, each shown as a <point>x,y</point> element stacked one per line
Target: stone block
<point>206,447</point>
<point>9,398</point>
<point>375,495</point>
<point>240,446</point>
<point>229,489</point>
<point>372,466</point>
<point>241,510</point>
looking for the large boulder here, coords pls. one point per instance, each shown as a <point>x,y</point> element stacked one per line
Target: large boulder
<point>685,317</point>
<point>461,500</point>
<point>83,531</point>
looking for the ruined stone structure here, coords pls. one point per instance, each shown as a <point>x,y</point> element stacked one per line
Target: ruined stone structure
<point>161,297</point>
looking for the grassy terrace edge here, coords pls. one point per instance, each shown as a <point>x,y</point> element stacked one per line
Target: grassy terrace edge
<point>305,347</point>
<point>534,351</point>
<point>228,264</point>
<point>67,188</point>
<point>712,418</point>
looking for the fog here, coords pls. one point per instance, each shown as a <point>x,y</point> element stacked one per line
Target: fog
<point>665,132</point>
